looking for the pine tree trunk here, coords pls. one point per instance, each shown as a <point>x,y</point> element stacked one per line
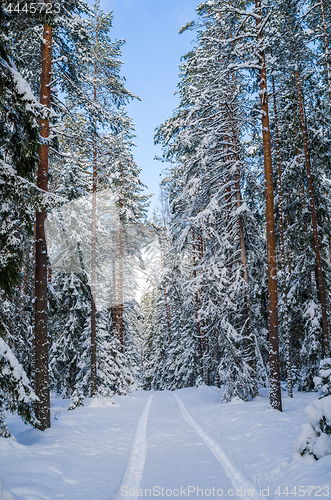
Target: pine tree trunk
<point>325,326</point>
<point>275,390</point>
<point>326,49</point>
<point>93,242</point>
<point>40,274</point>
<point>282,251</point>
<point>117,309</point>
<point>93,280</point>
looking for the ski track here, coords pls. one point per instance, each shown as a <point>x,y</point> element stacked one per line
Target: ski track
<point>134,470</point>
<point>238,481</point>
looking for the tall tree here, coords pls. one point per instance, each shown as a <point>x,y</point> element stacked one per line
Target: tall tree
<point>105,87</point>
<point>203,138</point>
<point>19,142</point>
<point>300,88</point>
<point>251,56</point>
<point>275,392</point>
<point>40,283</point>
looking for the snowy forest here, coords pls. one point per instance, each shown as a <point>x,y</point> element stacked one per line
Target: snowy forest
<point>236,259</point>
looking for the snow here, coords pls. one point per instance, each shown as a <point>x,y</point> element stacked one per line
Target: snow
<point>181,443</point>
<point>312,439</point>
<point>238,481</point>
<point>322,446</point>
<point>243,208</point>
<point>23,87</point>
<point>14,369</point>
<point>102,402</point>
<point>135,467</point>
<point>5,494</point>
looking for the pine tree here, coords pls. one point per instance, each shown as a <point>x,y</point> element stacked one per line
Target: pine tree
<point>25,33</point>
<point>69,310</point>
<point>19,142</point>
<point>104,88</point>
<point>204,138</point>
<point>114,373</point>
<point>156,344</point>
<point>16,393</point>
<point>299,93</point>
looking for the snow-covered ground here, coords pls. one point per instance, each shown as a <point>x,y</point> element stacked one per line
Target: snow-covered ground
<point>168,444</point>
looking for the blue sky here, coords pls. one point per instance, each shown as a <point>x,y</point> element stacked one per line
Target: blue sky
<point>151,57</point>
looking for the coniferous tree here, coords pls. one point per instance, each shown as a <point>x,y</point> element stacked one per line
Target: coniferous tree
<point>211,227</point>
<point>298,93</point>
<point>16,393</point>
<point>19,142</point>
<point>104,88</point>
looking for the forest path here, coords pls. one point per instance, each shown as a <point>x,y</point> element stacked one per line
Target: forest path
<point>155,440</point>
<point>178,458</point>
<point>239,482</point>
<point>134,470</point>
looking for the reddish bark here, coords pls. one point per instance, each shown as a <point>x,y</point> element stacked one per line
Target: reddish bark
<point>275,390</point>
<point>40,271</point>
<point>113,309</point>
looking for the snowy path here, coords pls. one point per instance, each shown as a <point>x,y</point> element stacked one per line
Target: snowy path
<point>166,444</point>
<point>136,462</point>
<point>238,481</point>
<point>178,460</point>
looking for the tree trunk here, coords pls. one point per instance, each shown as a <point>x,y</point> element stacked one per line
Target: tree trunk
<point>93,281</point>
<point>326,49</point>
<point>40,274</point>
<point>325,326</point>
<point>117,310</point>
<point>275,390</point>
<point>282,251</point>
<point>93,242</point>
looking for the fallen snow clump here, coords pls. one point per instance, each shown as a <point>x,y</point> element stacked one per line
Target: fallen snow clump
<point>315,435</point>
